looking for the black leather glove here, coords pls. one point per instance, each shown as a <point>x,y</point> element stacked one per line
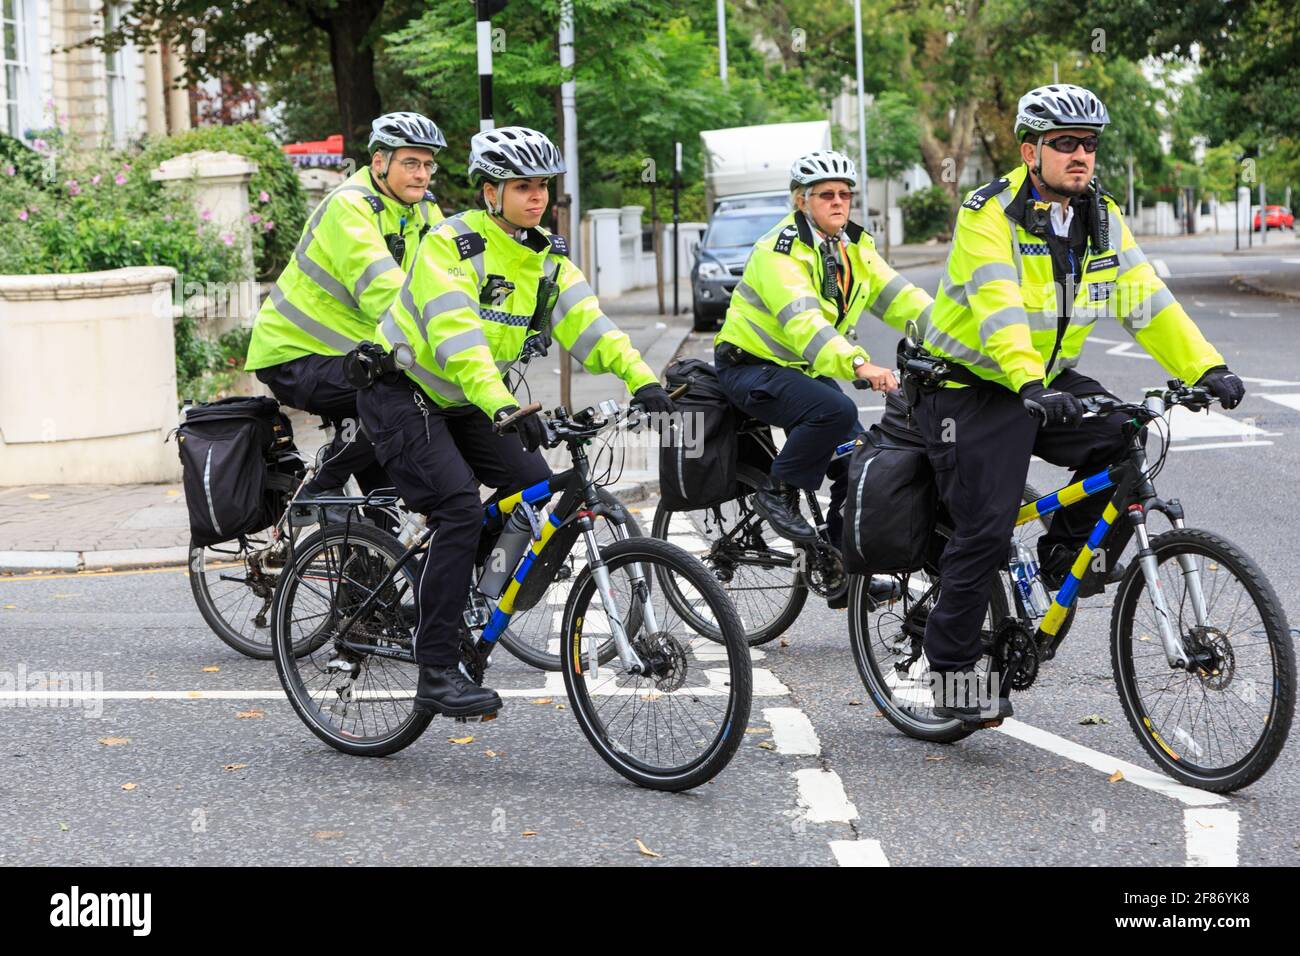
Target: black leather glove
<point>653,398</point>
<point>531,429</point>
<point>1223,385</point>
<point>1051,407</point>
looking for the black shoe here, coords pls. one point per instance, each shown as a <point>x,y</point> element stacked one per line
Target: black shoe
<point>883,590</point>
<point>778,503</point>
<point>1055,566</point>
<point>447,691</point>
<point>965,696</point>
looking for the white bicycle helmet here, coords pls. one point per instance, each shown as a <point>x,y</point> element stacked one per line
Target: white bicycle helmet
<point>1060,106</point>
<point>395,130</point>
<point>821,165</point>
<point>512,152</point>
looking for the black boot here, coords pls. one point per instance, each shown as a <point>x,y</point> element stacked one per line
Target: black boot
<point>965,695</point>
<point>447,691</point>
<point>778,503</point>
<point>1055,561</point>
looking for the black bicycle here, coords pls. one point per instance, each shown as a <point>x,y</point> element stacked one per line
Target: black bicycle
<point>663,704</point>
<point>1200,647</point>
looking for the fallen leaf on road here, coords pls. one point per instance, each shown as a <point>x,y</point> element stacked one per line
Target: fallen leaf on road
<point>461,740</point>
<point>529,833</point>
<point>1093,719</point>
<point>935,757</point>
<point>784,642</point>
<point>114,741</point>
<point>327,834</point>
<point>63,826</point>
<point>878,714</point>
<point>542,700</point>
<point>646,851</point>
<point>1205,826</point>
<point>651,695</point>
<point>172,492</point>
<point>766,745</point>
<point>757,730</point>
<point>1116,777</point>
<point>39,497</point>
<point>10,607</point>
<point>489,753</point>
<point>855,703</point>
<point>246,714</point>
<point>559,707</point>
<point>211,669</point>
<point>234,766</point>
<point>128,786</point>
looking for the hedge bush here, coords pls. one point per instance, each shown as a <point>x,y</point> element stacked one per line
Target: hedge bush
<point>928,213</point>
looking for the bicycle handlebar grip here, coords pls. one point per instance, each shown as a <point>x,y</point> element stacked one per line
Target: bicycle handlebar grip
<point>1038,411</point>
<point>509,420</point>
<point>861,383</point>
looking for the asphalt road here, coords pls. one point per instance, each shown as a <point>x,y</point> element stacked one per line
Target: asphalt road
<point>238,780</point>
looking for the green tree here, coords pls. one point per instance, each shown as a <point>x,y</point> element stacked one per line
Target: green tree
<point>892,135</point>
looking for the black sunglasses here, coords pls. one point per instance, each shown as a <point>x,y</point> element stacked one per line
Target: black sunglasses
<point>1068,144</point>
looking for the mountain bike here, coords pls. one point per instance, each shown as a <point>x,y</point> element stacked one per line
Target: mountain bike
<point>662,704</point>
<point>1200,647</point>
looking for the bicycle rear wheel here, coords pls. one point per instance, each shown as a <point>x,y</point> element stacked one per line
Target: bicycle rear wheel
<point>1219,725</point>
<point>757,568</point>
<point>234,582</point>
<point>679,725</point>
<point>357,700</point>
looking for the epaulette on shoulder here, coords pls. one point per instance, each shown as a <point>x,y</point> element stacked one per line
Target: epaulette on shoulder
<point>376,203</point>
<point>559,244</point>
<point>785,239</point>
<point>979,197</point>
<point>469,244</point>
<point>429,196</point>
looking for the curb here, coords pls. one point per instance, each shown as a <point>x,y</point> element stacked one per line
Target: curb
<point>1258,289</point>
<point>108,560</point>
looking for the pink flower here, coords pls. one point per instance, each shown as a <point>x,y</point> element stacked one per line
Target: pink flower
<point>206,215</point>
<point>40,145</point>
<point>10,171</point>
<point>94,180</point>
<point>73,188</point>
<point>263,196</point>
<point>126,166</point>
<point>254,217</point>
<point>119,179</point>
<point>167,218</point>
<point>23,215</point>
<point>228,239</point>
<point>268,226</point>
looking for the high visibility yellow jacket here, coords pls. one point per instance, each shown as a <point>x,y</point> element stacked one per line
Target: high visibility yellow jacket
<point>999,310</point>
<point>342,276</point>
<point>779,310</point>
<point>466,306</point>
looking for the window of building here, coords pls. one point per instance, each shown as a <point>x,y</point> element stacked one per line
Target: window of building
<point>15,72</point>
<point>115,69</point>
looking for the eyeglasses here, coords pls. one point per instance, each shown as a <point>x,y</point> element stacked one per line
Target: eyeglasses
<point>1068,144</point>
<point>829,195</point>
<point>411,165</point>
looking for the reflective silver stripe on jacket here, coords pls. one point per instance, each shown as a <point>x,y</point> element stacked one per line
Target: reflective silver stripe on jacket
<point>750,295</point>
<point>438,305</point>
<point>310,268</point>
<point>571,297</point>
<point>888,294</point>
<point>1147,309</point>
<point>322,333</point>
<point>448,390</point>
<point>372,272</point>
<point>961,292</point>
<point>951,346</point>
<point>458,343</point>
<point>799,306</point>
<point>819,342</point>
<point>586,342</point>
<point>462,228</point>
<point>780,351</point>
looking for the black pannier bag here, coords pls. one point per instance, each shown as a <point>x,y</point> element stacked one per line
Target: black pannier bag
<point>889,512</point>
<point>225,447</point>
<point>697,460</point>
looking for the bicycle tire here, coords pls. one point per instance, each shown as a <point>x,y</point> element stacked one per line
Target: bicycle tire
<point>223,614</point>
<point>737,678</point>
<point>1159,741</point>
<point>288,663</point>
<point>760,628</point>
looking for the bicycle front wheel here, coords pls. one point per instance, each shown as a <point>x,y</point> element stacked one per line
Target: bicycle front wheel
<point>1220,723</point>
<point>356,692</point>
<point>676,725</point>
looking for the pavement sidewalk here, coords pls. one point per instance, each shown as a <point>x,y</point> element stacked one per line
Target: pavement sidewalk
<point>97,527</point>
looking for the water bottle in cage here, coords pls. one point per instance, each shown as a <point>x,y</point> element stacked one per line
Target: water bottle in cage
<point>1029,586</point>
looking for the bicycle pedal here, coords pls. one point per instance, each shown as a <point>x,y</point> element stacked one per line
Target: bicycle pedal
<point>478,718</point>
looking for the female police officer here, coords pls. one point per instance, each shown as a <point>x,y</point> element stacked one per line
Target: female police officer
<point>783,342</point>
<point>467,306</point>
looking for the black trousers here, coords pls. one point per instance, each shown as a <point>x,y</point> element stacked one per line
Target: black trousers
<point>437,461</point>
<point>315,383</point>
<point>979,441</point>
<point>815,415</point>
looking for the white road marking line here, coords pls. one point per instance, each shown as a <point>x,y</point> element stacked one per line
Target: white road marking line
<point>1269,382</point>
<point>1253,315</point>
<point>1138,776</point>
<point>1291,401</point>
<point>859,853</point>
<point>1186,425</point>
<point>1220,444</point>
<point>1211,836</point>
<point>822,797</point>
<point>767,684</point>
<point>1162,270</point>
<point>792,731</point>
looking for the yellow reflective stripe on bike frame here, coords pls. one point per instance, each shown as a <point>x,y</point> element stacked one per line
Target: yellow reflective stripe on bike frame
<point>507,603</point>
<point>1061,499</point>
<point>1055,616</point>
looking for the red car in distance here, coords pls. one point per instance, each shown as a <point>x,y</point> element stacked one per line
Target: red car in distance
<point>1275,217</point>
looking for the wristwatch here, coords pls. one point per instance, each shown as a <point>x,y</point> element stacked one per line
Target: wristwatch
<point>858,362</point>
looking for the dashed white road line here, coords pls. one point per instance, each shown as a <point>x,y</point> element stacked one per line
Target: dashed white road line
<point>1291,401</point>
<point>792,731</point>
<point>859,853</point>
<point>1211,836</point>
<point>822,797</point>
